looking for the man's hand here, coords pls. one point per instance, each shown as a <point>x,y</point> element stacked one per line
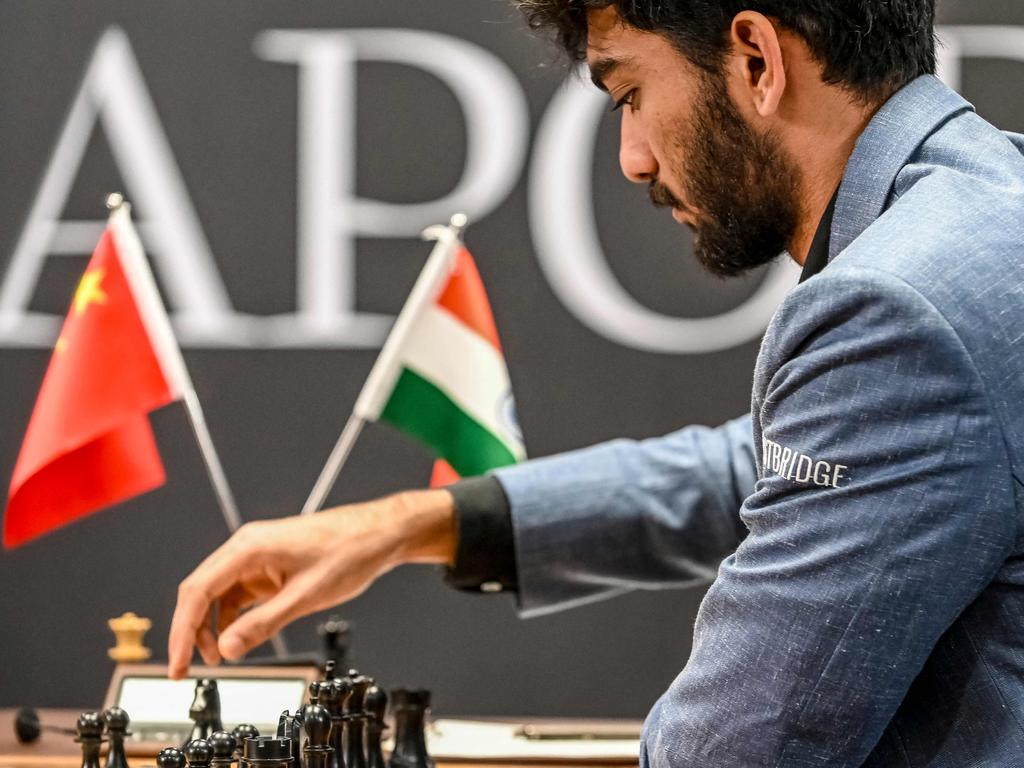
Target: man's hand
<point>298,565</point>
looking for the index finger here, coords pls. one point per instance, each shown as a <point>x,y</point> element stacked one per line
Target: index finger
<point>211,579</point>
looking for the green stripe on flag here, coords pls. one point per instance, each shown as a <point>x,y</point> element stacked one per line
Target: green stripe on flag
<point>418,407</point>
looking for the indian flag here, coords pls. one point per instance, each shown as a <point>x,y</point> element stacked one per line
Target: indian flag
<point>441,376</point>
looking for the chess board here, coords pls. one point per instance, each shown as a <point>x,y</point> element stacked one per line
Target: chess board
<point>59,751</point>
<point>287,717</point>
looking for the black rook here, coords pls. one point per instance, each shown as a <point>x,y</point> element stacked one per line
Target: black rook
<point>410,711</point>
<point>375,704</point>
<point>267,752</point>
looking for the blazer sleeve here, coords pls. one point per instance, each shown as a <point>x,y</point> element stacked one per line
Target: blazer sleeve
<point>657,513</point>
<point>817,625</point>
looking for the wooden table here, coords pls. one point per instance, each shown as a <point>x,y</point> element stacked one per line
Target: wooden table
<point>55,750</point>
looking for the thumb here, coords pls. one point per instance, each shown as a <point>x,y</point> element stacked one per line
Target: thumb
<point>256,626</point>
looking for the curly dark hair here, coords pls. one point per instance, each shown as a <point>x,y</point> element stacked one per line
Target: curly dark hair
<point>870,47</point>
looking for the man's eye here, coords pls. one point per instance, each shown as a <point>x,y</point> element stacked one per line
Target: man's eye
<point>627,99</point>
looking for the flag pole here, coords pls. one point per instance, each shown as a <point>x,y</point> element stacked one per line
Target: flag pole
<point>339,455</point>
<point>214,469</point>
<point>145,283</point>
<point>171,353</point>
<point>384,369</point>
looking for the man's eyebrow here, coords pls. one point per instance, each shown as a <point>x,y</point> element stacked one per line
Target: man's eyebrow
<point>601,68</point>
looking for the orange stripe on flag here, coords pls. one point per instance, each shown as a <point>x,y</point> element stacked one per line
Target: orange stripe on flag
<point>465,297</point>
<point>443,474</point>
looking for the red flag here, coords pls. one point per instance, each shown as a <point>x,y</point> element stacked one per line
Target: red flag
<point>443,474</point>
<point>89,443</point>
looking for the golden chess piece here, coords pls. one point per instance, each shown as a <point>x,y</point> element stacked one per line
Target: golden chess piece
<point>129,630</point>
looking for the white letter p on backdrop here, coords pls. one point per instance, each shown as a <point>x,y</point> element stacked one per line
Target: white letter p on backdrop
<point>330,215</point>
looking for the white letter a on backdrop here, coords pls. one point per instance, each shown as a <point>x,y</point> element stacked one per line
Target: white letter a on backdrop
<point>114,92</point>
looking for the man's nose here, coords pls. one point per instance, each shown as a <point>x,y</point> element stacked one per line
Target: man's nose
<point>635,156</point>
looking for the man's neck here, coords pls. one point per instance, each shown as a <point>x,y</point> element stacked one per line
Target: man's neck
<point>821,144</point>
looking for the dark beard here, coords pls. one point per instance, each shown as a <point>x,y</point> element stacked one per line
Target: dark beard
<point>743,183</point>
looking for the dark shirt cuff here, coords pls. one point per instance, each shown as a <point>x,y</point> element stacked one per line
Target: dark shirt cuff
<point>485,559</point>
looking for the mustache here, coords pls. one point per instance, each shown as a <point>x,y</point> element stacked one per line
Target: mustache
<point>661,197</point>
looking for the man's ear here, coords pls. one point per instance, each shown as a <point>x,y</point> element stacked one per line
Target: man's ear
<point>757,57</point>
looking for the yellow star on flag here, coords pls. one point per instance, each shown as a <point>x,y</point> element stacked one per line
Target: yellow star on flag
<point>89,291</point>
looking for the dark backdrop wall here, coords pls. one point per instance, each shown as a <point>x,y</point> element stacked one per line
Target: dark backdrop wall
<point>259,161</point>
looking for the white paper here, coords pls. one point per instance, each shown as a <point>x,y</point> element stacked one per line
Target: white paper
<point>449,739</point>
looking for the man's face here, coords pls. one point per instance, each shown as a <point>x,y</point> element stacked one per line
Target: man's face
<point>682,135</point>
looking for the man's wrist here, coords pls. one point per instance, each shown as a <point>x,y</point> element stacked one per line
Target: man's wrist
<point>428,529</point>
<point>485,555</point>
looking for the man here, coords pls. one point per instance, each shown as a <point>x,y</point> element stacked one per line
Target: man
<point>869,609</point>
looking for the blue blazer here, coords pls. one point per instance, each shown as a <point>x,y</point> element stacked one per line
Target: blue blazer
<point>868,599</point>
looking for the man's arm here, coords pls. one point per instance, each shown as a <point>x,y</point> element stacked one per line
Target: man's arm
<point>815,628</point>
<point>680,495</point>
<point>624,515</point>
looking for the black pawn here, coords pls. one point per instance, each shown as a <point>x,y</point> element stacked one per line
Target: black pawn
<point>89,733</point>
<point>354,717</point>
<point>317,750</point>
<point>223,745</point>
<point>170,757</point>
<point>410,712</point>
<point>117,721</point>
<point>375,703</point>
<point>241,733</point>
<point>198,754</point>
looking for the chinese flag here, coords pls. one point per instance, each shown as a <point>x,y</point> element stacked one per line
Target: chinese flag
<point>89,442</point>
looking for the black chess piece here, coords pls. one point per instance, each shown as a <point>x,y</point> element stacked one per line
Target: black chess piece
<point>223,745</point>
<point>267,752</point>
<point>89,733</point>
<point>337,637</point>
<point>314,691</point>
<point>241,733</point>
<point>316,751</point>
<point>170,757</point>
<point>410,712</point>
<point>198,754</point>
<point>298,721</point>
<point>332,696</point>
<point>205,710</point>
<point>354,718</point>
<point>116,720</point>
<point>328,695</point>
<point>290,727</point>
<point>375,703</point>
